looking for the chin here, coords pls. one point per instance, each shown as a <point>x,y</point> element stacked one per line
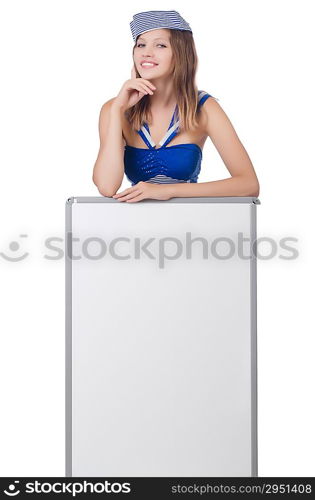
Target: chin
<point>147,73</point>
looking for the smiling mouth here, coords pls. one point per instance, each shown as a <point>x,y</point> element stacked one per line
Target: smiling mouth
<point>148,65</point>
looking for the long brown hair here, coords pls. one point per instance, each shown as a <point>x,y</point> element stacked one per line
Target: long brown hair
<point>185,66</point>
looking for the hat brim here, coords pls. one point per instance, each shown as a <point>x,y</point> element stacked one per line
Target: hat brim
<point>160,27</point>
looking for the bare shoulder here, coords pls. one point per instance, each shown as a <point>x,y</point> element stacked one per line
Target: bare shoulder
<point>211,108</point>
<point>104,120</point>
<point>214,117</point>
<point>206,109</point>
<point>106,106</point>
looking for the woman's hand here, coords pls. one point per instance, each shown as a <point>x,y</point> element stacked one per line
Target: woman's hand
<point>132,91</point>
<point>143,190</point>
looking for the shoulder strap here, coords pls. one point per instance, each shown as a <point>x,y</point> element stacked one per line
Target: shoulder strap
<point>144,133</point>
<point>172,130</point>
<point>203,96</point>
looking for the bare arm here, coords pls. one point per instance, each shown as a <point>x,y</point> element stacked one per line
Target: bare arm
<point>243,180</point>
<point>109,167</point>
<point>108,171</point>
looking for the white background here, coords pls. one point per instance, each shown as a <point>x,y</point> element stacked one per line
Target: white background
<point>60,61</point>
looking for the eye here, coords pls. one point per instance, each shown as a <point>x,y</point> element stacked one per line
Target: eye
<point>138,45</point>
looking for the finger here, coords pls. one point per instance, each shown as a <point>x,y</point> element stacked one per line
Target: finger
<point>146,89</point>
<point>137,85</point>
<point>137,198</point>
<point>133,72</point>
<point>147,82</point>
<point>130,196</point>
<point>125,191</point>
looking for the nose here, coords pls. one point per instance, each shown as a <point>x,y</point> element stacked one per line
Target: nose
<point>147,52</point>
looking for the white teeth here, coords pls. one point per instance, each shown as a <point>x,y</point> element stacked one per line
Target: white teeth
<point>148,64</point>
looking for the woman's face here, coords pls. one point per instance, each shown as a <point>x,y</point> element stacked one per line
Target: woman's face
<point>154,46</point>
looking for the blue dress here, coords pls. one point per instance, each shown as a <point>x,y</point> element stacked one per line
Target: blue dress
<point>172,164</point>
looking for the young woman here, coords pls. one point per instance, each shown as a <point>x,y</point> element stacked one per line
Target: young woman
<point>155,128</point>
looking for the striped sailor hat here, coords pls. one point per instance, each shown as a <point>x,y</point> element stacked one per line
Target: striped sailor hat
<point>156,19</point>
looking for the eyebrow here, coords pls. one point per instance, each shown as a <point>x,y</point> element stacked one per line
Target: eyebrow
<point>159,38</point>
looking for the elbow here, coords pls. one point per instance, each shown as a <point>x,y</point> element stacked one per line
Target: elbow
<point>252,187</point>
<point>255,189</point>
<point>104,190</point>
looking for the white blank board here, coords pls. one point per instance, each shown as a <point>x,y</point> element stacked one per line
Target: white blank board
<point>162,368</point>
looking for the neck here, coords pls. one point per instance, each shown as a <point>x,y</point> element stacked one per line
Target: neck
<point>164,96</point>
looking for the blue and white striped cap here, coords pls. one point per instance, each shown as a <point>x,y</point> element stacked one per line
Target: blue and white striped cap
<point>156,19</point>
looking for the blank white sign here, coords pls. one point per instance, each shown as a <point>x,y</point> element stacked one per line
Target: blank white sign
<point>161,343</point>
